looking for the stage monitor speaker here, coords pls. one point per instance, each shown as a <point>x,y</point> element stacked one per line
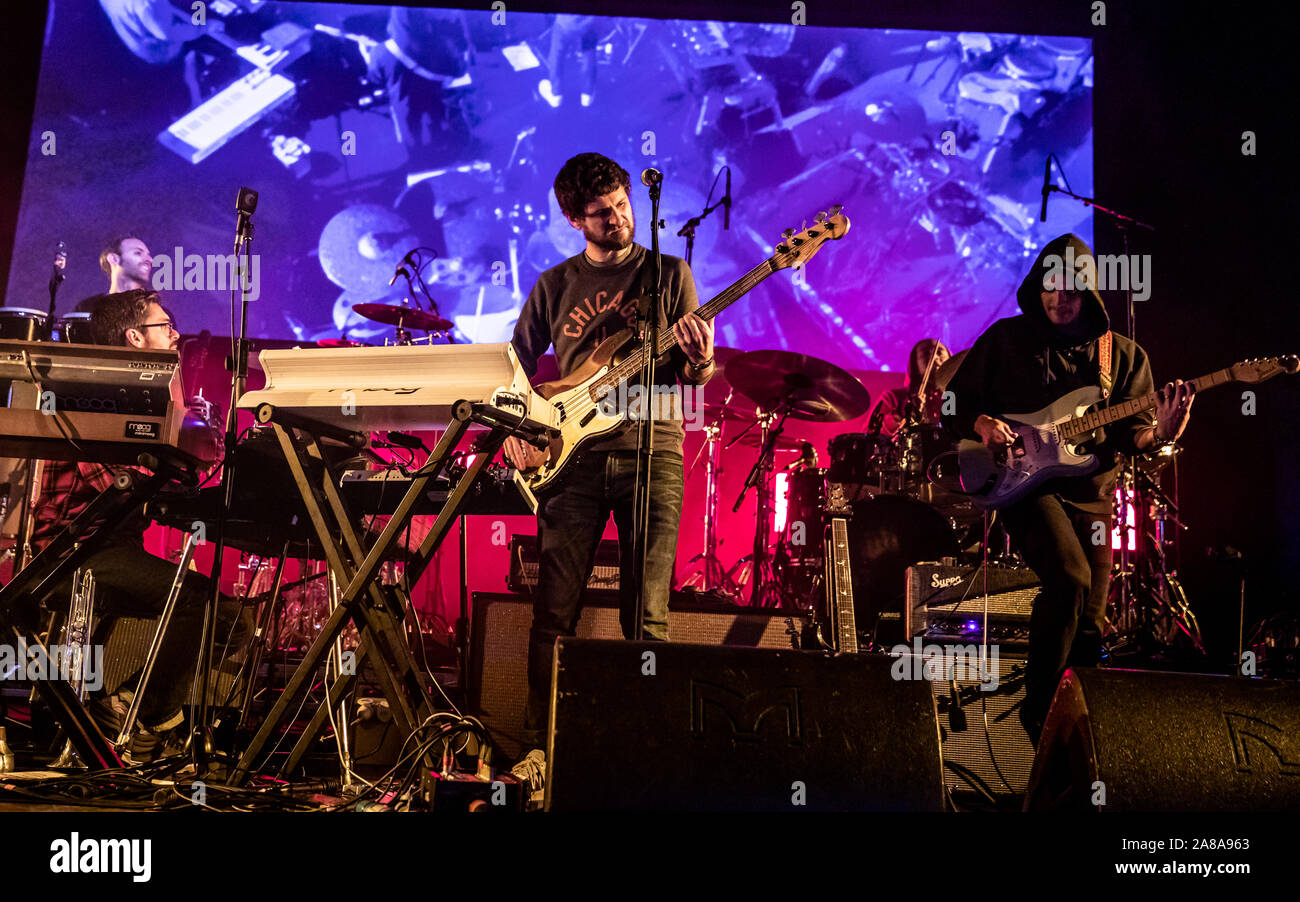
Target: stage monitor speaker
<point>645,726</point>
<point>498,676</point>
<point>1129,740</point>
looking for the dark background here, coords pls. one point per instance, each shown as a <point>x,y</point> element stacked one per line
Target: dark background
<point>1176,86</point>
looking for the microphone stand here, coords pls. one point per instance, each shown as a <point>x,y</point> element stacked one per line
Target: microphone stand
<point>688,231</point>
<point>201,734</point>
<point>648,321</point>
<point>57,275</point>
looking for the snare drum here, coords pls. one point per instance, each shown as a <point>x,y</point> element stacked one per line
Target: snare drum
<point>74,328</point>
<point>23,324</point>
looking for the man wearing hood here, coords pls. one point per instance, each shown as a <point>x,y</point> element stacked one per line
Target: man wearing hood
<point>1024,363</point>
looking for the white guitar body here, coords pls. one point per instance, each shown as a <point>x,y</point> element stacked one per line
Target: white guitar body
<point>1038,455</point>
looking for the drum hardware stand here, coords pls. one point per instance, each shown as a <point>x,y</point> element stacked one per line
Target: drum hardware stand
<point>169,607</point>
<point>377,611</point>
<point>764,586</point>
<point>712,574</point>
<point>1151,609</point>
<point>253,663</point>
<point>343,744</point>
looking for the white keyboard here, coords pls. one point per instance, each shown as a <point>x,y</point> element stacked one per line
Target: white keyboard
<point>197,134</point>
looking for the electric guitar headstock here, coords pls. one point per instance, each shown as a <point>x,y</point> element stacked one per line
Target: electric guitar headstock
<point>1264,368</point>
<point>796,249</point>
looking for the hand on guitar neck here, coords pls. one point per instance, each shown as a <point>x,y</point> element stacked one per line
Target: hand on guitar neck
<point>1173,408</point>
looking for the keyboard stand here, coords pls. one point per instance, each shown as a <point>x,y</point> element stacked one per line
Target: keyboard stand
<point>377,610</point>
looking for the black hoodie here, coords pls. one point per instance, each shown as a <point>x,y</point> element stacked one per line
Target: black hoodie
<point>1023,363</point>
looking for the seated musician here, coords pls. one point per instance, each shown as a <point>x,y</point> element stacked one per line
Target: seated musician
<point>898,404</point>
<point>130,581</point>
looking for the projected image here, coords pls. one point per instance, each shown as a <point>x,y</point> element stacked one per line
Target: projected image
<point>379,136</point>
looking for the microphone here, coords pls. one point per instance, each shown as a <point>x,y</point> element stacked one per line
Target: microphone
<point>726,209</point>
<point>651,177</point>
<point>401,267</point>
<point>1047,187</point>
<point>246,203</point>
<point>245,206</point>
<point>807,459</point>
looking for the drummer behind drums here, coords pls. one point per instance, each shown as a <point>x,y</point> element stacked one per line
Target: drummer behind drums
<point>896,405</point>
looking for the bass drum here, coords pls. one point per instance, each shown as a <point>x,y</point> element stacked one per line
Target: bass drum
<point>887,535</point>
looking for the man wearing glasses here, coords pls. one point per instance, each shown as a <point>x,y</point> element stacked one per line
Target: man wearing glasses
<point>130,581</point>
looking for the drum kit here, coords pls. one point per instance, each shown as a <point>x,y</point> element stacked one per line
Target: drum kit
<point>898,516</point>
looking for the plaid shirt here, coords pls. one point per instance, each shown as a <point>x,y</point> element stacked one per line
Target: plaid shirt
<point>67,488</point>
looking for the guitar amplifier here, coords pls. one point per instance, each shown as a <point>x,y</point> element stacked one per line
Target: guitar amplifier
<point>985,746</point>
<point>945,601</point>
<point>523,566</point>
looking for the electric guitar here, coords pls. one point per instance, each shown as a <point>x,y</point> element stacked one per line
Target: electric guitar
<point>577,405</point>
<point>839,583</point>
<point>1047,440</point>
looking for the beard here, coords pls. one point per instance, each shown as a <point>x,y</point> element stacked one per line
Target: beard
<point>616,242</point>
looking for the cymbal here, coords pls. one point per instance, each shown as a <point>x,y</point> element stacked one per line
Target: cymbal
<point>813,388</point>
<point>403,317</point>
<point>754,439</point>
<point>362,245</point>
<point>940,378</point>
<point>731,413</point>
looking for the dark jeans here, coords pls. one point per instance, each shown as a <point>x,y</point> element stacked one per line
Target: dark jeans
<point>1057,541</point>
<point>570,521</point>
<point>131,582</point>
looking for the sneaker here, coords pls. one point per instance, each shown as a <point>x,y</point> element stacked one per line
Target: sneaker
<point>531,770</point>
<point>109,713</point>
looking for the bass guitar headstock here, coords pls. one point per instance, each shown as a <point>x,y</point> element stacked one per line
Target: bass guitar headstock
<point>796,249</point>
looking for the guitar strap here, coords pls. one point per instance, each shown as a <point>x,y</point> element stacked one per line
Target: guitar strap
<point>1103,363</point>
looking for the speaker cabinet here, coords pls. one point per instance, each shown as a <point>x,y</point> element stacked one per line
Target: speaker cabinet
<point>498,674</point>
<point>645,726</point>
<point>1128,740</point>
